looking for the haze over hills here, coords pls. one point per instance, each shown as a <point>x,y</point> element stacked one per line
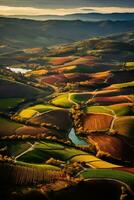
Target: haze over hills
<point>81,16</point>
<point>20,33</point>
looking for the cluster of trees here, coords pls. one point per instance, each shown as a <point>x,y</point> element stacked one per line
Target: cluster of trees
<point>17,118</point>
<point>55,162</point>
<point>70,87</point>
<point>5,159</point>
<point>72,169</point>
<point>77,114</point>
<point>25,137</point>
<point>89,148</point>
<point>39,136</point>
<point>49,125</point>
<point>68,169</point>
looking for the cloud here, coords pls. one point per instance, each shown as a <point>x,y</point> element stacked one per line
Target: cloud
<point>87,9</point>
<point>7,10</point>
<point>67,3</point>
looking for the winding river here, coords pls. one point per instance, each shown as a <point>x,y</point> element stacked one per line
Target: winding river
<point>75,139</point>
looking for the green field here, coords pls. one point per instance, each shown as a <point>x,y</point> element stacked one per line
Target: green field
<point>9,103</point>
<point>129,65</point>
<point>40,108</point>
<point>15,148</point>
<point>80,98</point>
<point>123,85</point>
<point>14,89</point>
<point>78,69</point>
<point>37,166</point>
<point>124,177</point>
<point>62,101</point>
<point>118,109</point>
<point>44,150</point>
<point>125,126</point>
<point>68,100</point>
<point>8,127</point>
<point>122,110</point>
<point>98,109</point>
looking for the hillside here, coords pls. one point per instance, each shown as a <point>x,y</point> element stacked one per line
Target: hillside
<point>82,16</point>
<point>66,111</point>
<point>18,33</point>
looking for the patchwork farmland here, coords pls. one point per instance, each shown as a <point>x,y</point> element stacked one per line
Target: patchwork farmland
<point>67,122</point>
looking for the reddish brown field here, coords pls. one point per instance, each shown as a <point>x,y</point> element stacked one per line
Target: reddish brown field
<point>77,77</point>
<point>29,130</point>
<point>23,175</point>
<point>52,79</point>
<point>112,146</point>
<point>64,78</point>
<point>121,77</point>
<point>58,118</point>
<point>127,169</point>
<point>111,91</point>
<point>112,100</point>
<point>26,130</point>
<point>97,122</point>
<point>60,60</point>
<point>100,76</point>
<point>22,58</point>
<point>37,131</point>
<point>85,60</point>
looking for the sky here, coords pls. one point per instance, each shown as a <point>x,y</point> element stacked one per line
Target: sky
<point>63,7</point>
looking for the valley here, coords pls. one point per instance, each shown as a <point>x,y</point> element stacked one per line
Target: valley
<point>67,114</point>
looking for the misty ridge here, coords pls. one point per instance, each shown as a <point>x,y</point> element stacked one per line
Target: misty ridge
<point>81,16</point>
<point>24,33</point>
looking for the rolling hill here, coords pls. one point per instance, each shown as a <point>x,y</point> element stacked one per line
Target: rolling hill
<point>81,16</point>
<point>66,111</point>
<point>20,33</point>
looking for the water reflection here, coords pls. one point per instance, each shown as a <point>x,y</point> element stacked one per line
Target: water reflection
<point>75,139</point>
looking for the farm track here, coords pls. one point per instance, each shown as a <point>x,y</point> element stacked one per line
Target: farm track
<point>55,89</point>
<point>29,149</point>
<point>96,163</point>
<point>93,96</point>
<point>108,109</point>
<point>40,114</point>
<point>107,79</point>
<point>70,100</point>
<point>33,147</point>
<point>111,129</point>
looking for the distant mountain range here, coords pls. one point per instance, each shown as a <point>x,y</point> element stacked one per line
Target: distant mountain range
<point>22,33</point>
<point>82,16</point>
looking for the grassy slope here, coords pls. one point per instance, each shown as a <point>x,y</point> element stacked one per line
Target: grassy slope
<point>9,103</point>
<point>8,126</point>
<point>40,108</point>
<point>62,101</point>
<point>43,151</point>
<point>14,89</point>
<point>125,177</point>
